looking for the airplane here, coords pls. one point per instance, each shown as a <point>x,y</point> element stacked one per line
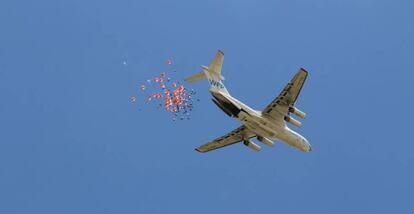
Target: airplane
<point>265,126</point>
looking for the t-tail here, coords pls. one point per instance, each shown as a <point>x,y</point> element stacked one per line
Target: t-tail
<point>212,74</point>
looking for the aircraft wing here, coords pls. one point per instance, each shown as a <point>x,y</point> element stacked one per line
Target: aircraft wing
<point>279,107</point>
<point>233,137</point>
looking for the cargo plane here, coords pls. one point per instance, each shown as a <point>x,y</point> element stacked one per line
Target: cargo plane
<point>265,126</point>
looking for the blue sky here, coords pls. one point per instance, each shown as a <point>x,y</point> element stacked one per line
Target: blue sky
<point>71,142</point>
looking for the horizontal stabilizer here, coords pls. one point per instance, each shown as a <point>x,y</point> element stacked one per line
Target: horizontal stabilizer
<point>196,77</point>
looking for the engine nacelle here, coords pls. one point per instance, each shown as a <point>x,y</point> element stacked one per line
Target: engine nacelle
<point>297,112</point>
<point>265,141</point>
<point>251,145</point>
<point>293,121</point>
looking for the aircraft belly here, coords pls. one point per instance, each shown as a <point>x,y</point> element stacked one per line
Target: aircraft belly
<point>257,125</point>
<point>295,140</point>
<point>250,118</point>
<point>225,104</point>
<point>265,128</point>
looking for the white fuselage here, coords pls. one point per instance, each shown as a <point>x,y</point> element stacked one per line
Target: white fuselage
<point>267,127</point>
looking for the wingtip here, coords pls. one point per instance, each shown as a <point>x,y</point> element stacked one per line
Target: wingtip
<point>189,80</point>
<point>198,150</point>
<point>304,70</point>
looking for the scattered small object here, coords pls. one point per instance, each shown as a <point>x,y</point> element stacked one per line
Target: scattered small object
<point>133,99</point>
<point>173,97</point>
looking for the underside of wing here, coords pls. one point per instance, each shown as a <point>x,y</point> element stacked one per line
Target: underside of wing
<point>279,107</point>
<point>233,137</point>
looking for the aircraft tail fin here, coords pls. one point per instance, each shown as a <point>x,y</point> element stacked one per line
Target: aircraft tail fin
<point>216,64</point>
<point>212,73</point>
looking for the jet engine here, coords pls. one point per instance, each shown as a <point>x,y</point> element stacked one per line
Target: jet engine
<point>293,121</point>
<point>265,141</point>
<point>297,112</point>
<point>251,145</point>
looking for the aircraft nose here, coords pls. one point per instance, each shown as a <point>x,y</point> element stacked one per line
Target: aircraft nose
<point>309,147</point>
